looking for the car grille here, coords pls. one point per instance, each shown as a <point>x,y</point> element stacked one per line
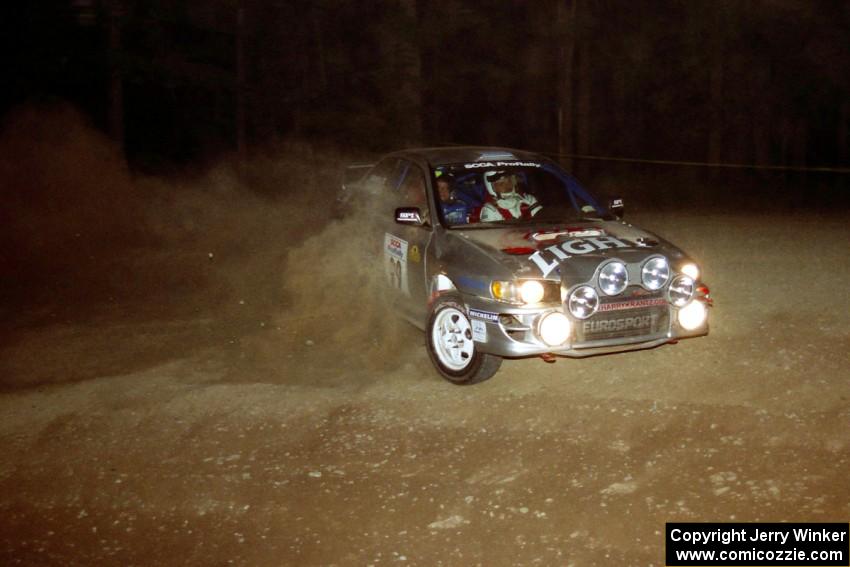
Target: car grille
<point>624,323</point>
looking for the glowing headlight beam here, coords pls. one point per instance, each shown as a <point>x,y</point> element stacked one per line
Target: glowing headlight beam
<point>531,291</point>
<point>693,315</point>
<point>554,328</point>
<point>691,270</point>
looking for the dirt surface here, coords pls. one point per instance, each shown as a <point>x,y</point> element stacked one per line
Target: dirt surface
<point>215,428</point>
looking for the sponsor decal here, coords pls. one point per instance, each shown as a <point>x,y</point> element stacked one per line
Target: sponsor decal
<point>395,245</point>
<point>415,256</point>
<point>575,246</point>
<point>479,331</point>
<point>486,315</point>
<point>395,262</point>
<point>631,304</point>
<point>623,324</point>
<point>479,164</point>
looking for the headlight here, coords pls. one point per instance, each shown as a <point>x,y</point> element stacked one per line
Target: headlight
<point>681,290</point>
<point>613,278</point>
<point>531,291</point>
<point>502,290</point>
<point>693,315</point>
<point>554,328</point>
<point>583,302</point>
<point>525,292</point>
<point>655,273</point>
<point>691,270</point>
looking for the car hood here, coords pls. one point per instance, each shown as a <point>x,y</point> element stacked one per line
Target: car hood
<point>569,251</point>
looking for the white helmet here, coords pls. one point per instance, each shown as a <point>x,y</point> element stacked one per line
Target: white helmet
<point>490,177</point>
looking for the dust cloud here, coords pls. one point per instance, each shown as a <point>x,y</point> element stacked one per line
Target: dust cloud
<point>249,255</point>
<point>337,293</point>
<point>67,196</point>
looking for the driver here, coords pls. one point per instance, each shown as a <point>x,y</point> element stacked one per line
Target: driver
<point>504,201</point>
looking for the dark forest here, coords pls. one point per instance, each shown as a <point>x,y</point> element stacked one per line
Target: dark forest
<point>759,83</point>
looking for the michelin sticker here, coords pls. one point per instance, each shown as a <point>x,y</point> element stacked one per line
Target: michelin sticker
<point>479,331</point>
<point>486,315</point>
<point>395,262</point>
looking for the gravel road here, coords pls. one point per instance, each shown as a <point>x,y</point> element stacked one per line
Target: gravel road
<point>238,434</point>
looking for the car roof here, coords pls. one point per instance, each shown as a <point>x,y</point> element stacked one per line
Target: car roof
<point>465,154</point>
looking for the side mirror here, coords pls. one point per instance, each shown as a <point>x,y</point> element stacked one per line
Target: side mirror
<point>616,207</point>
<point>409,215</point>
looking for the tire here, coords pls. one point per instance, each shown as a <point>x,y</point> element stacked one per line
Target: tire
<point>452,349</point>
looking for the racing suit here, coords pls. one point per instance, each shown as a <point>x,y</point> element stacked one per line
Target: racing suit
<point>508,206</point>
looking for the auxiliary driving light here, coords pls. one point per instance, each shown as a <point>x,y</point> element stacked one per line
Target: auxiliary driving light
<point>693,315</point>
<point>655,273</point>
<point>613,278</point>
<point>681,290</point>
<point>554,328</point>
<point>583,302</point>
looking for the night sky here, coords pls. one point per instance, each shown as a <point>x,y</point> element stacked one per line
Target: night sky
<point>762,83</point>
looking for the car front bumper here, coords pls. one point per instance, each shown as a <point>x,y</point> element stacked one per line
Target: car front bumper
<point>512,332</point>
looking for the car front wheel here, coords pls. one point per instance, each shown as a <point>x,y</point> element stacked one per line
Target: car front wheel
<point>452,349</point>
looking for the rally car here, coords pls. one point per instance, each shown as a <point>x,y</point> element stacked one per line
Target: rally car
<point>500,253</point>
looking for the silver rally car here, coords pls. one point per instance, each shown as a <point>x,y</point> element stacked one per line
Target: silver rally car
<point>500,253</point>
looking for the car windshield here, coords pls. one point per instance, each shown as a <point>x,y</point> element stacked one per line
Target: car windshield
<point>487,193</point>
